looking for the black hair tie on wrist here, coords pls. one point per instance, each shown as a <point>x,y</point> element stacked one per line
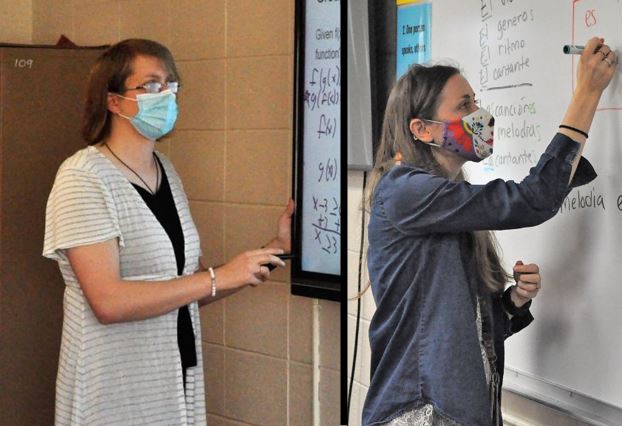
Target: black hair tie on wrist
<point>563,126</point>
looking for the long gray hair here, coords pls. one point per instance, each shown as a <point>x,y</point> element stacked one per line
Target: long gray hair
<point>416,95</point>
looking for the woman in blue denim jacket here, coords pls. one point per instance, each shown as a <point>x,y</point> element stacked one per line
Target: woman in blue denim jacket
<point>442,315</point>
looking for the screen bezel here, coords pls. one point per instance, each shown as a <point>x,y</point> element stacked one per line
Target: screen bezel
<point>305,283</point>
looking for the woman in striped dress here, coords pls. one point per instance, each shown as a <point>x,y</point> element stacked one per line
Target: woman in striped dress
<point>119,226</point>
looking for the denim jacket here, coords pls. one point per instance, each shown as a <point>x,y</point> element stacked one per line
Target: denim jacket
<point>423,336</point>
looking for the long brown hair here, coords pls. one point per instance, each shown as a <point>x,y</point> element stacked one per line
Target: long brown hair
<point>108,74</point>
<point>416,95</point>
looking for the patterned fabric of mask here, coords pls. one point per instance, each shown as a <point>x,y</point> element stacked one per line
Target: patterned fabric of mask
<point>470,137</point>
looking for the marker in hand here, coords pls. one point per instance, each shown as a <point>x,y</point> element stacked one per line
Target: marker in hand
<point>517,274</point>
<point>573,49</point>
<point>576,49</point>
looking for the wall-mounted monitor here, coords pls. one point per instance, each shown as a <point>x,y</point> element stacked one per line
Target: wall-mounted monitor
<point>316,267</point>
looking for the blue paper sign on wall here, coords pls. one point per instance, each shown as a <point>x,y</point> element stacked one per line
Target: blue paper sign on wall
<point>413,35</point>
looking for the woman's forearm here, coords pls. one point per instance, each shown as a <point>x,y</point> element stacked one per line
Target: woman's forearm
<point>221,294</point>
<point>579,115</point>
<point>120,300</point>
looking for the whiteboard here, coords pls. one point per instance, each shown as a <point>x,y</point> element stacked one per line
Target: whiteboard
<point>511,53</point>
<point>317,230</point>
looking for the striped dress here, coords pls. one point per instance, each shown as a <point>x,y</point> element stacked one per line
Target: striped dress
<point>127,373</point>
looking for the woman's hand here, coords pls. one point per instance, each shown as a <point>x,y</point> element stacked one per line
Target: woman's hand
<point>283,238</point>
<point>528,282</point>
<point>596,66</point>
<point>248,268</point>
<point>596,69</point>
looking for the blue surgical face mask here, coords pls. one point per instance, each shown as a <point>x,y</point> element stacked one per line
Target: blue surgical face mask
<point>157,113</point>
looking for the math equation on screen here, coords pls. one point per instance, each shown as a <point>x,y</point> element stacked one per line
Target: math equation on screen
<point>323,90</point>
<point>327,223</point>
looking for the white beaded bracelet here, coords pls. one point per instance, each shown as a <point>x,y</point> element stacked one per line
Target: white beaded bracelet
<point>213,276</point>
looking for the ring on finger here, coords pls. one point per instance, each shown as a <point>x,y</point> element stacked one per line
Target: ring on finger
<point>609,63</point>
<point>604,54</point>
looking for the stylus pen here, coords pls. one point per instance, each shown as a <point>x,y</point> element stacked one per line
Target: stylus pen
<point>285,256</point>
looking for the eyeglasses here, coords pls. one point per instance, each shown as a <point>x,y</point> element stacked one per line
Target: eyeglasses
<point>157,87</point>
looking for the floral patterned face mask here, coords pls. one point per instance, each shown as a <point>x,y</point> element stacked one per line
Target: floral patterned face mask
<point>470,137</point>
